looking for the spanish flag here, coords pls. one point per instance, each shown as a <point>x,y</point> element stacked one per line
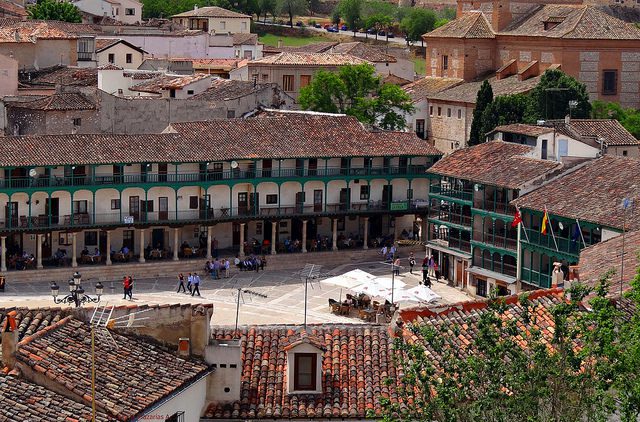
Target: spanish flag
<point>545,220</point>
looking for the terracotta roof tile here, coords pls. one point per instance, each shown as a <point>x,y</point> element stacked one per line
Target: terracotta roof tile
<point>495,163</point>
<point>245,39</point>
<point>9,8</point>
<point>308,59</point>
<point>164,82</point>
<point>395,80</point>
<point>30,321</point>
<point>316,47</point>
<point>67,76</point>
<point>523,129</point>
<point>467,92</point>
<point>609,129</point>
<point>593,192</point>
<point>363,51</point>
<point>227,89</point>
<point>469,25</point>
<point>210,12</point>
<point>134,375</point>
<point>58,102</point>
<point>16,31</point>
<point>421,89</point>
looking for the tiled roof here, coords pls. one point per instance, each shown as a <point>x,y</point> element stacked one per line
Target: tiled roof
<point>593,192</point>
<point>68,76</point>
<point>468,91</point>
<point>523,129</point>
<point>316,47</point>
<point>15,30</point>
<point>30,321</point>
<point>363,51</point>
<point>9,8</point>
<point>227,89</point>
<point>495,163</point>
<point>457,325</point>
<point>421,89</point>
<point>291,135</point>
<point>308,59</point>
<point>105,43</point>
<point>395,80</point>
<point>469,25</point>
<point>572,22</point>
<point>357,361</point>
<point>133,375</point>
<point>597,260</point>
<point>157,85</point>
<point>210,12</point>
<point>228,64</point>
<point>24,400</point>
<point>609,129</point>
<point>59,102</point>
<point>245,39</point>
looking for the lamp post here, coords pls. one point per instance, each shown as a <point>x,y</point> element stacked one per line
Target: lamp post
<point>77,295</point>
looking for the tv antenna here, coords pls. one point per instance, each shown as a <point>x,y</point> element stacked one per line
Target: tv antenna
<point>310,272</point>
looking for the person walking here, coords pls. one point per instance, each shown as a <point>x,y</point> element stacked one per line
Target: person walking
<point>412,262</point>
<point>125,286</point>
<point>432,266</point>
<point>396,266</point>
<point>425,272</point>
<point>181,283</point>
<point>189,282</point>
<point>131,287</point>
<point>227,264</point>
<point>196,284</point>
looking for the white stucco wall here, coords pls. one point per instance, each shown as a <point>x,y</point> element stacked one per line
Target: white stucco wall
<point>120,51</point>
<point>191,401</point>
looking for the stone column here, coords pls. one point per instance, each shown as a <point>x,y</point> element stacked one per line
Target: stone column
<point>304,236</point>
<point>175,243</point>
<point>39,251</point>
<point>141,259</point>
<point>3,263</point>
<point>209,230</point>
<point>395,230</point>
<point>241,254</point>
<point>274,229</point>
<point>423,230</point>
<point>334,240</point>
<point>108,251</point>
<point>366,233</point>
<point>74,255</point>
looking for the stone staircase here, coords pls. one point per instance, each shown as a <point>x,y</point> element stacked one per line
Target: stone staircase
<point>168,268</point>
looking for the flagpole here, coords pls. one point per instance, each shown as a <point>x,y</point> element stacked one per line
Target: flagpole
<point>524,229</point>
<point>581,235</point>
<point>551,228</point>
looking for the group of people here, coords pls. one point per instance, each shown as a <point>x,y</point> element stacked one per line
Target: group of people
<point>429,264</point>
<point>127,284</point>
<point>217,268</point>
<point>193,283</point>
<point>250,263</point>
<point>21,261</point>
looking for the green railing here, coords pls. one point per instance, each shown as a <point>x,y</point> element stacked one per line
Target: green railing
<point>451,193</point>
<point>564,245</point>
<point>536,278</point>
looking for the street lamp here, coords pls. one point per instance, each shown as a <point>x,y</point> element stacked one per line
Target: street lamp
<point>76,294</point>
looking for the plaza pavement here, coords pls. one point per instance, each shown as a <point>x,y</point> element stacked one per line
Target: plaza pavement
<point>279,298</point>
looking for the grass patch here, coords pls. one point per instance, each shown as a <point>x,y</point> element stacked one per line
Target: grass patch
<point>420,65</point>
<point>272,40</point>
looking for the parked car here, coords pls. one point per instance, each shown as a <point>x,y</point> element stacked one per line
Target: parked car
<point>382,33</point>
<point>371,31</point>
<point>390,35</point>
<point>317,25</point>
<point>332,29</point>
<point>343,28</point>
<point>299,23</point>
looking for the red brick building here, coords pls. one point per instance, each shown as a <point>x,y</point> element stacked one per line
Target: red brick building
<point>525,39</point>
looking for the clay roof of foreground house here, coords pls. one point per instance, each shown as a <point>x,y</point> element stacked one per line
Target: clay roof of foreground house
<point>395,80</point>
<point>164,82</point>
<point>571,22</point>
<point>67,76</point>
<point>593,193</point>
<point>469,25</point>
<point>356,361</point>
<point>210,12</point>
<point>523,129</point>
<point>106,43</point>
<point>135,374</point>
<point>610,130</point>
<point>468,92</point>
<point>287,135</point>
<point>10,9</point>
<point>316,47</point>
<point>23,400</point>
<point>363,51</point>
<point>227,89</point>
<point>495,163</point>
<point>308,59</point>
<point>19,31</point>
<point>30,321</point>
<point>597,260</point>
<point>421,89</point>
<point>58,102</point>
<point>245,39</point>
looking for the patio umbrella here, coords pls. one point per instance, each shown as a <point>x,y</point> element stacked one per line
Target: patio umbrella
<point>371,289</point>
<point>387,283</point>
<point>350,279</point>
<point>424,294</point>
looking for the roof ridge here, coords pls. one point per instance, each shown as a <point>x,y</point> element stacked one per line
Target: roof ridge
<point>41,333</point>
<point>575,25</point>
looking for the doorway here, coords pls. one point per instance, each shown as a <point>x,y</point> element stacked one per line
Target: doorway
<point>11,214</point>
<point>102,243</point>
<point>128,239</point>
<point>163,208</point>
<point>236,233</point>
<point>243,203</point>
<point>134,207</point>
<point>387,195</point>
<point>157,238</point>
<point>317,200</point>
<point>267,230</point>
<point>52,208</point>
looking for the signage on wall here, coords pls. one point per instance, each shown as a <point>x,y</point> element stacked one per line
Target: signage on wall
<point>128,219</point>
<point>398,206</point>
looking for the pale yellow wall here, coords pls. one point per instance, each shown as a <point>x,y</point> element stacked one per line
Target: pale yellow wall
<point>120,51</point>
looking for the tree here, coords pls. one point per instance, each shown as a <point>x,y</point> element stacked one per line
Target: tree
<point>356,90</point>
<point>54,10</point>
<point>552,95</point>
<point>292,8</point>
<point>351,11</point>
<point>483,99</point>
<point>504,110</point>
<point>416,23</point>
<point>628,117</point>
<point>379,22</point>
<point>314,5</point>
<point>268,6</point>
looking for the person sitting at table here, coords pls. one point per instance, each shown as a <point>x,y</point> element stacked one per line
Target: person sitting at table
<point>60,256</point>
<point>124,250</point>
<point>84,252</point>
<point>147,250</point>
<point>184,246</point>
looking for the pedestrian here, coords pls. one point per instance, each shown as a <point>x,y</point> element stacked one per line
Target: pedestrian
<point>125,286</point>
<point>396,266</point>
<point>412,262</point>
<point>432,266</point>
<point>181,283</point>
<point>383,251</point>
<point>189,282</point>
<point>425,272</point>
<point>131,287</point>
<point>196,284</point>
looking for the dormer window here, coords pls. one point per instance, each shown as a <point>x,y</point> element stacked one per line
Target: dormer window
<point>552,22</point>
<point>305,371</point>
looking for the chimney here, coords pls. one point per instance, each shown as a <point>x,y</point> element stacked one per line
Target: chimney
<point>9,340</point>
<point>280,43</point>
<point>225,356</point>
<point>501,14</point>
<point>567,119</point>
<point>195,7</point>
<point>557,277</point>
<point>184,347</point>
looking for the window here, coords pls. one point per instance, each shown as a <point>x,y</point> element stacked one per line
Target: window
<point>86,48</point>
<point>272,199</point>
<point>115,204</point>
<point>265,77</point>
<point>563,147</point>
<point>117,11</point>
<point>287,83</point>
<point>129,58</point>
<point>459,113</point>
<point>193,202</point>
<point>172,93</point>
<point>624,153</point>
<point>364,192</point>
<point>130,11</point>
<point>223,25</point>
<point>112,58</point>
<point>448,111</point>
<point>439,111</point>
<point>305,80</point>
<point>244,26</point>
<point>146,206</point>
<point>231,114</point>
<point>430,110</point>
<point>90,238</point>
<point>248,54</point>
<point>190,91</point>
<point>445,62</point>
<point>420,125</point>
<point>77,121</point>
<point>609,82</point>
<point>79,207</point>
<point>304,376</point>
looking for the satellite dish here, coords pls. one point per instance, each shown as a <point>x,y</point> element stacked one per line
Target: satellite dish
<point>33,173</point>
<point>234,164</point>
<point>476,187</point>
<point>560,225</point>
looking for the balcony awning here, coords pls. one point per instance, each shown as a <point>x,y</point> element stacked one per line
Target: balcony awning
<point>445,249</point>
<point>491,274</point>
